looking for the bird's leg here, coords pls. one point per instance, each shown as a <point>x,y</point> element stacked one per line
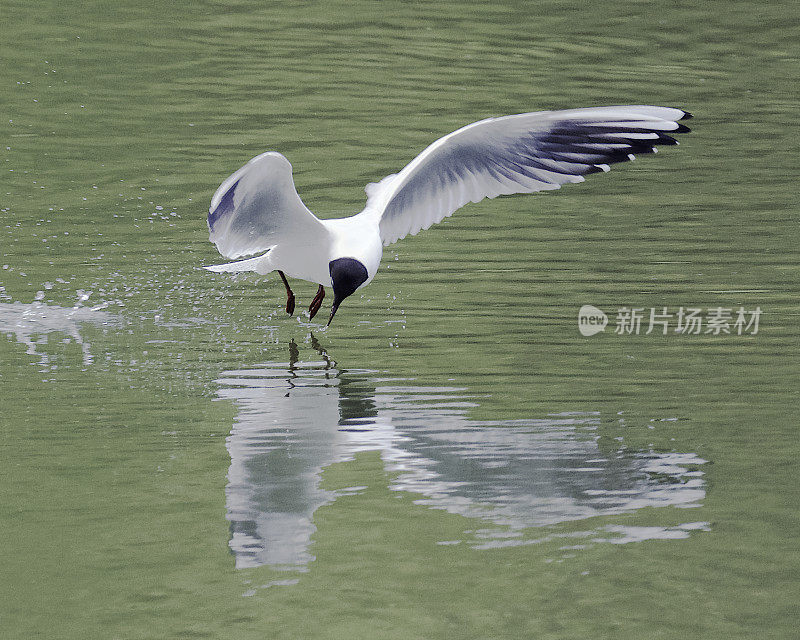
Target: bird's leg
<point>289,294</point>
<point>316,303</point>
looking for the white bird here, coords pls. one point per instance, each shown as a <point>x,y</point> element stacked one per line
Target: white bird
<point>257,209</point>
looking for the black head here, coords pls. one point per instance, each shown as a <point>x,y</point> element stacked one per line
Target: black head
<point>347,275</point>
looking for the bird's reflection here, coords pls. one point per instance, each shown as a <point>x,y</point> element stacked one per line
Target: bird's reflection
<point>297,417</point>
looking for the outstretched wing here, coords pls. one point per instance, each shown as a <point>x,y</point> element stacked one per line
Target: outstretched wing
<point>258,207</point>
<point>514,154</point>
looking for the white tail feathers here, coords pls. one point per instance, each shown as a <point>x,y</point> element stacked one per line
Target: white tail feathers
<point>240,265</point>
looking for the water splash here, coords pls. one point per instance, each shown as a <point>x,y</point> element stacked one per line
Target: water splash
<point>32,323</point>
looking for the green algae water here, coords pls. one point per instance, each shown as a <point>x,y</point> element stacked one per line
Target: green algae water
<point>452,458</point>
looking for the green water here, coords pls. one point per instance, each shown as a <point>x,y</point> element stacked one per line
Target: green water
<point>451,459</point>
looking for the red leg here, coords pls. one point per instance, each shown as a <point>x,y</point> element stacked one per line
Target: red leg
<point>289,294</point>
<point>316,303</point>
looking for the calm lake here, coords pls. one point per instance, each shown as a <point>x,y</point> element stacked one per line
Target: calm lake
<point>452,458</point>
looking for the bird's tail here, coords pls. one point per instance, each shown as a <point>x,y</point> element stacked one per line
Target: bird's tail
<point>251,264</point>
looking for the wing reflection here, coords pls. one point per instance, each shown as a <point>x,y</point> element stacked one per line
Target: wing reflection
<point>295,418</point>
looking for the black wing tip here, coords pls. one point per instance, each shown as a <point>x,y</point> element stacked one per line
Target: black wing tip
<point>682,128</point>
<point>686,115</point>
<point>665,139</point>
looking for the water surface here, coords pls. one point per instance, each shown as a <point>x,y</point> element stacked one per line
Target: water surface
<point>452,458</point>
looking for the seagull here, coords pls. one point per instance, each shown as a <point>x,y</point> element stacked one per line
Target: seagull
<point>257,210</point>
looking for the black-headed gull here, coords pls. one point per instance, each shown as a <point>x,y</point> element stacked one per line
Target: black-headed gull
<point>257,209</point>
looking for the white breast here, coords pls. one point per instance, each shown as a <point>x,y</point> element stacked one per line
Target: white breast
<point>357,237</point>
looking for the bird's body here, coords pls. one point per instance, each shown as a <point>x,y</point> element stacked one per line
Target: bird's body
<point>257,210</point>
<point>354,237</point>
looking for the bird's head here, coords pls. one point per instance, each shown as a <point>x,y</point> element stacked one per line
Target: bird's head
<point>347,275</point>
